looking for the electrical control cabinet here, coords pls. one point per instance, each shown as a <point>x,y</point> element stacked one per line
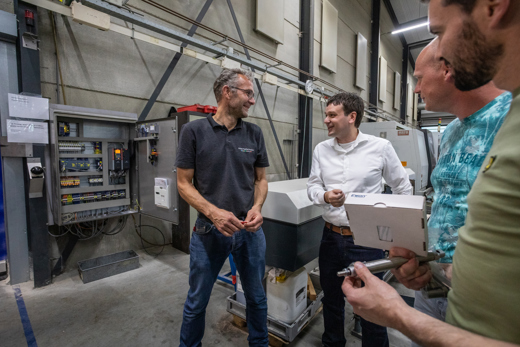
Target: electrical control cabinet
<point>106,164</point>
<point>90,152</point>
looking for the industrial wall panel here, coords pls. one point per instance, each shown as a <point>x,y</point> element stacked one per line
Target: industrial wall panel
<point>383,66</point>
<point>8,27</point>
<point>361,62</point>
<point>415,102</point>
<point>270,19</point>
<point>15,221</point>
<point>8,79</point>
<point>397,90</point>
<point>329,36</point>
<point>409,107</point>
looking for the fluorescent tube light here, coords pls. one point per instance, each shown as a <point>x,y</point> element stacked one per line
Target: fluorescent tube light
<point>410,28</point>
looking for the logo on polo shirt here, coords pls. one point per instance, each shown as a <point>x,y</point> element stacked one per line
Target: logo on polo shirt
<point>246,150</point>
<point>491,161</point>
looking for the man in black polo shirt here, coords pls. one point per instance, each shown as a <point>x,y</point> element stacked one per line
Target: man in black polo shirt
<point>221,164</point>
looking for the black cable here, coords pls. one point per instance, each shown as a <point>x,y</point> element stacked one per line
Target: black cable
<point>153,244</point>
<point>121,223</point>
<point>143,240</point>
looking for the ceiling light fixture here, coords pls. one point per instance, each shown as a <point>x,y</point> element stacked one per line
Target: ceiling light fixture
<point>410,28</point>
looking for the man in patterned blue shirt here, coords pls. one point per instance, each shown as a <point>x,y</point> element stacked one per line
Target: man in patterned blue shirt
<point>464,145</point>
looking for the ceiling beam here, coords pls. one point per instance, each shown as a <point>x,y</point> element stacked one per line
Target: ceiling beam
<point>391,11</point>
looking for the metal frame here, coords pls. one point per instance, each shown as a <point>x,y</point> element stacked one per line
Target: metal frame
<point>404,83</point>
<point>286,81</point>
<point>163,30</point>
<point>260,92</point>
<point>391,11</point>
<point>181,232</point>
<point>15,220</point>
<point>29,59</point>
<point>305,104</point>
<point>172,65</point>
<point>37,235</point>
<point>374,57</point>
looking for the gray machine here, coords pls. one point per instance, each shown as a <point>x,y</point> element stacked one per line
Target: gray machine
<point>292,225</point>
<point>410,146</point>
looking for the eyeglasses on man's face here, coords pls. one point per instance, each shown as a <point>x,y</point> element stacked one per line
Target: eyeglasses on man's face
<point>249,93</point>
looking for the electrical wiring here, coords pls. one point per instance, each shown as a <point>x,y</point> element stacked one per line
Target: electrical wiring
<point>60,235</point>
<point>138,230</point>
<point>121,223</point>
<point>89,230</point>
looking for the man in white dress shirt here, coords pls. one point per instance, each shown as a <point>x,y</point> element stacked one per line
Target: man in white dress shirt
<point>349,162</point>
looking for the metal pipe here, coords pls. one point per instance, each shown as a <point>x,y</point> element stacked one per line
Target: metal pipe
<point>239,43</point>
<point>381,265</point>
<point>163,30</point>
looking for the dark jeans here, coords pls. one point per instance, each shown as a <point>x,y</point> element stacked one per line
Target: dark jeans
<point>209,249</point>
<point>337,252</point>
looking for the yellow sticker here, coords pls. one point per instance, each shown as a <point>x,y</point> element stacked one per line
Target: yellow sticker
<point>491,161</point>
<point>404,163</point>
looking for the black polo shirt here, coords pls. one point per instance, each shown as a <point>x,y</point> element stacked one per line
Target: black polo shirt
<point>224,162</point>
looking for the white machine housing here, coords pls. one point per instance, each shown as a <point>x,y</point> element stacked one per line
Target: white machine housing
<point>436,143</point>
<point>409,145</point>
<point>287,201</point>
<point>292,225</point>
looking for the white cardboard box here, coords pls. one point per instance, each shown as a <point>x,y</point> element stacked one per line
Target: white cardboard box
<point>386,220</point>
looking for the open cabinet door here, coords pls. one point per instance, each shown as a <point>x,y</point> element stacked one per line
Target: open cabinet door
<point>156,185</point>
<point>156,149</point>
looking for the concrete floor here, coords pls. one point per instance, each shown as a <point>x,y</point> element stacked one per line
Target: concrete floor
<point>142,307</point>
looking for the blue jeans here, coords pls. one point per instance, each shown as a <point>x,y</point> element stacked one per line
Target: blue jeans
<point>337,252</point>
<point>209,249</point>
<point>435,308</point>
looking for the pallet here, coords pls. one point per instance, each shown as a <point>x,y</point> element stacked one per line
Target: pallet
<point>274,341</point>
<point>283,332</point>
<point>311,292</point>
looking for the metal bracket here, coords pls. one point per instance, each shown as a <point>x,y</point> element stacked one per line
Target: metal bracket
<point>30,41</point>
<point>270,66</point>
<point>229,51</point>
<point>219,42</point>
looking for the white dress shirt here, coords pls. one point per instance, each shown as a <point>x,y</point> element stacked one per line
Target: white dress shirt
<point>359,167</point>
